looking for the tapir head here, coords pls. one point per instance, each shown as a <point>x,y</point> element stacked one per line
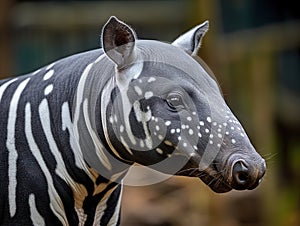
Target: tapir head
<point>166,111</point>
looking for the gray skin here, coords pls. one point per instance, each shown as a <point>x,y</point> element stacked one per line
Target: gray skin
<point>168,112</point>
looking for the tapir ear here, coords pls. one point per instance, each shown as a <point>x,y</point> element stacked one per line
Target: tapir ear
<point>191,40</point>
<point>118,41</point>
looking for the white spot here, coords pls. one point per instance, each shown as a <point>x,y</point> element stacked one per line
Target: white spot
<point>219,135</point>
<point>220,126</point>
<point>195,147</point>
<point>194,113</point>
<point>138,90</point>
<point>111,120</point>
<point>172,131</point>
<point>201,123</point>
<point>177,130</point>
<point>148,94</point>
<point>233,141</point>
<point>224,124</point>
<point>219,145</point>
<point>151,79</point>
<point>189,118</point>
<point>227,133</point>
<point>219,130</point>
<point>199,135</point>
<point>215,123</point>
<point>169,143</point>
<point>211,142</point>
<point>183,126</point>
<point>157,128</point>
<point>179,138</point>
<point>160,137</point>
<point>211,136</point>
<point>167,123</point>
<point>159,151</point>
<point>208,119</point>
<point>121,128</point>
<point>198,127</point>
<point>206,130</point>
<point>242,135</point>
<point>184,144</point>
<point>191,132</point>
<point>48,89</point>
<point>232,128</point>
<point>48,75</point>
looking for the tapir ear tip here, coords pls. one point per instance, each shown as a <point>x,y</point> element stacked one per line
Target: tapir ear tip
<point>205,25</point>
<point>112,19</point>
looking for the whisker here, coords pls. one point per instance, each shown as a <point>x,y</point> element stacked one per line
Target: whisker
<point>186,170</point>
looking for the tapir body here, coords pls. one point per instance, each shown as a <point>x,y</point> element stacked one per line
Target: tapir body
<point>70,131</point>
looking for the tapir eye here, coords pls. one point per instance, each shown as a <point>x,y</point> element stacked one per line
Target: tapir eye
<point>175,101</point>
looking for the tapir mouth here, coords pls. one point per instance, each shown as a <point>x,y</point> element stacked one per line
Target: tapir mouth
<point>212,178</point>
<point>216,183</point>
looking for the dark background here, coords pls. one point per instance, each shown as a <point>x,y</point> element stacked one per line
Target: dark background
<point>253,48</point>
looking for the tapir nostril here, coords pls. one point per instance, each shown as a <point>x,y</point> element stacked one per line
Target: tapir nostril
<point>240,175</point>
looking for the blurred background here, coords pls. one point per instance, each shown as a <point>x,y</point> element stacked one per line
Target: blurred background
<point>253,47</point>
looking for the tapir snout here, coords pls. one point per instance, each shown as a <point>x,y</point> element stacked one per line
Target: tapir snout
<point>245,173</point>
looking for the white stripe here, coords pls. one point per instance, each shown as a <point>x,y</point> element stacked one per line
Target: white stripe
<point>61,169</point>
<point>79,100</point>
<point>100,153</point>
<point>114,219</point>
<point>104,103</point>
<point>10,144</point>
<point>4,86</point>
<point>100,211</point>
<point>67,124</point>
<point>35,216</point>
<point>56,203</point>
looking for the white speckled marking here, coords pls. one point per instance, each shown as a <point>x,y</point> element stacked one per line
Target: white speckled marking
<point>138,90</point>
<point>159,151</point>
<point>48,89</point>
<point>148,94</point>
<point>167,123</point>
<point>48,75</point>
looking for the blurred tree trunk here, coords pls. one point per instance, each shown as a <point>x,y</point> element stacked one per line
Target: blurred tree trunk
<point>5,38</point>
